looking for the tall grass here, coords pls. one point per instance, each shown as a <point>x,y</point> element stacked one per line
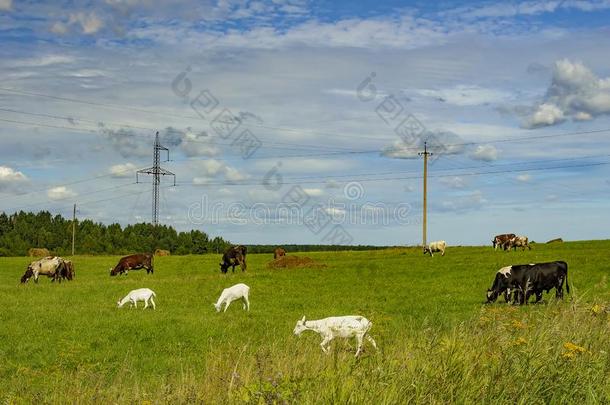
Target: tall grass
<point>438,343</point>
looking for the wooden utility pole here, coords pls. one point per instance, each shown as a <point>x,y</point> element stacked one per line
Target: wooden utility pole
<point>73,228</point>
<point>425,154</point>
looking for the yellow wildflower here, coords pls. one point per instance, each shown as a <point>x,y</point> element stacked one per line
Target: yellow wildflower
<point>517,324</point>
<point>597,309</point>
<point>520,341</point>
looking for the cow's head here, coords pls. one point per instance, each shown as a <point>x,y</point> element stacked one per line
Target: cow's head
<point>300,327</point>
<point>492,296</point>
<point>493,242</point>
<point>427,250</point>
<point>113,272</point>
<point>224,267</point>
<point>27,275</point>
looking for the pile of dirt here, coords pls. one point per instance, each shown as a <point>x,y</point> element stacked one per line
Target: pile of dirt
<point>558,240</point>
<point>161,252</point>
<point>38,252</point>
<point>292,261</point>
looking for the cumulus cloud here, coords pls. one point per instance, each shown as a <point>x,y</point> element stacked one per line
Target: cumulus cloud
<point>575,92</point>
<point>6,5</point>
<point>10,177</point>
<point>210,169</point>
<point>60,193</point>
<point>198,145</point>
<point>439,143</point>
<point>486,153</point>
<point>314,192</point>
<point>122,170</point>
<point>524,178</point>
<point>89,23</point>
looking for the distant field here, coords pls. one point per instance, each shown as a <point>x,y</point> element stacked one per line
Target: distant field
<point>69,342</point>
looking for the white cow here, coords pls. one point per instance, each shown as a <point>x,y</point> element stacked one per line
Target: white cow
<point>141,294</point>
<point>47,266</point>
<point>234,293</point>
<point>438,246</point>
<point>338,326</point>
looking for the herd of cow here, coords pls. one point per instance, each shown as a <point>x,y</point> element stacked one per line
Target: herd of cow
<point>517,283</point>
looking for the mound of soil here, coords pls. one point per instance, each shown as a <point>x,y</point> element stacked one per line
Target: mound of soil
<point>292,261</point>
<point>161,252</point>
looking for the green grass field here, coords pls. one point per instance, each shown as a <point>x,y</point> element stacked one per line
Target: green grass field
<point>68,343</point>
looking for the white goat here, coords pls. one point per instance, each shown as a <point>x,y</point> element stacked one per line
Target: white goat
<point>141,294</point>
<point>338,326</point>
<point>236,292</point>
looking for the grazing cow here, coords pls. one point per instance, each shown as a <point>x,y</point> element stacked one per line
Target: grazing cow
<point>279,252</point>
<point>338,326</point>
<point>500,240</point>
<point>234,293</point>
<point>232,257</point>
<point>141,294</point>
<point>438,246</point>
<point>50,266</point>
<point>133,262</point>
<point>517,241</point>
<point>528,279</point>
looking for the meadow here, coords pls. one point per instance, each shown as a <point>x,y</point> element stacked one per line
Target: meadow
<point>68,343</point>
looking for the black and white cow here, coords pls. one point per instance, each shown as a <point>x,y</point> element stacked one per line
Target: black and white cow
<point>530,279</point>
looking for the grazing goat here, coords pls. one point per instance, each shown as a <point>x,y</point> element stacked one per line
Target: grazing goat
<point>234,293</point>
<point>338,326</point>
<point>141,294</point>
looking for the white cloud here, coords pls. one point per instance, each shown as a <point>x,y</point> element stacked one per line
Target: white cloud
<point>212,168</point>
<point>314,192</point>
<point>575,92</point>
<point>486,153</point>
<point>59,28</point>
<point>60,193</point>
<point>546,114</point>
<point>6,5</point>
<point>524,178</point>
<point>453,182</point>
<point>198,145</point>
<point>89,23</point>
<point>232,174</point>
<point>123,170</point>
<point>10,177</point>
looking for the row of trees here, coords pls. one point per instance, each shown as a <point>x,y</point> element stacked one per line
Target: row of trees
<point>24,230</point>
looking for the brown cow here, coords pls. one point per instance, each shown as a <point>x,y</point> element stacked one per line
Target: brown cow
<point>133,262</point>
<point>232,257</point>
<point>501,240</point>
<point>279,252</point>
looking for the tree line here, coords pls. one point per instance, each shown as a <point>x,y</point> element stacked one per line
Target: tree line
<point>24,230</point>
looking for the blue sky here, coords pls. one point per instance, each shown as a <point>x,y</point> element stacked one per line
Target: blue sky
<point>513,96</point>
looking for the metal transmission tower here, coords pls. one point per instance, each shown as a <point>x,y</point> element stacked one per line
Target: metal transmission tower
<point>157,171</point>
